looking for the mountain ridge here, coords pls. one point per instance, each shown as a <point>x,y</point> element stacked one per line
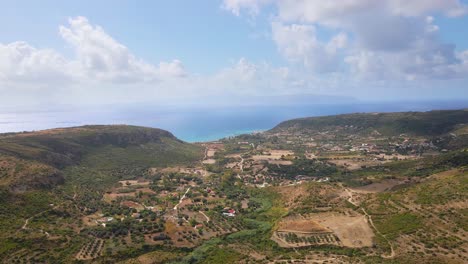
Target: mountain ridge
<point>435,122</point>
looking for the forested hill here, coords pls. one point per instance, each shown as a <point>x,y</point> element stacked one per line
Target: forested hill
<point>431,123</point>
<point>66,146</point>
<point>38,158</point>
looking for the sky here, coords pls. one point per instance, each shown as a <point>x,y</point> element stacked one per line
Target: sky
<point>55,53</point>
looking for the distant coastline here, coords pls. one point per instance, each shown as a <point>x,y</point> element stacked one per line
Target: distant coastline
<point>204,124</point>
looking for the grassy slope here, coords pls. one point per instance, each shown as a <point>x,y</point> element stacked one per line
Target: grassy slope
<point>408,168</point>
<point>430,123</point>
<point>100,148</point>
<point>64,147</point>
<point>86,160</point>
<point>97,156</point>
<point>425,219</point>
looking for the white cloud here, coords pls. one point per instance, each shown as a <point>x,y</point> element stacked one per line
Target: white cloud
<point>248,78</point>
<point>252,6</point>
<point>174,68</point>
<point>451,8</point>
<point>388,38</point>
<point>376,25</point>
<point>103,58</point>
<point>20,62</point>
<point>416,54</point>
<point>298,43</point>
<point>333,12</point>
<point>98,58</point>
<point>243,71</point>
<point>327,12</point>
<point>101,67</point>
<point>395,45</point>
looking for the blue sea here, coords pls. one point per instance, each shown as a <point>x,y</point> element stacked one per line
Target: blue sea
<point>196,124</point>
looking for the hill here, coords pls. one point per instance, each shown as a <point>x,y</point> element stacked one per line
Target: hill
<point>431,123</point>
<point>358,188</point>
<point>41,158</point>
<point>68,146</point>
<point>425,222</point>
<point>47,171</point>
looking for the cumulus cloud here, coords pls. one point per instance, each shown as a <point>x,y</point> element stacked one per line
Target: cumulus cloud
<point>98,58</point>
<point>102,58</point>
<point>426,62</point>
<point>299,43</point>
<point>408,48</point>
<point>102,67</point>
<point>20,62</point>
<point>390,38</point>
<point>349,40</point>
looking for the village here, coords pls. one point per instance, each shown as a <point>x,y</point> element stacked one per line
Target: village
<point>184,206</point>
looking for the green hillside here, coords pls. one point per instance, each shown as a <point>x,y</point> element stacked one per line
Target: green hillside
<point>104,194</point>
<point>425,219</point>
<point>432,123</point>
<point>34,155</point>
<point>45,170</point>
<point>64,147</point>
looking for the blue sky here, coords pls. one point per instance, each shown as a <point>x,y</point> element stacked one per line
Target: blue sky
<point>200,33</point>
<point>454,31</point>
<point>93,52</point>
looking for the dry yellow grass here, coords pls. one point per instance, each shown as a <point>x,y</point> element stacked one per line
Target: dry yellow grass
<point>353,231</point>
<point>301,226</point>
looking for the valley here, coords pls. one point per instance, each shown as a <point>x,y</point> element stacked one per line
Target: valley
<point>359,188</point>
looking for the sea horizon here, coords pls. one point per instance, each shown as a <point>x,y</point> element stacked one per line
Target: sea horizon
<point>201,124</point>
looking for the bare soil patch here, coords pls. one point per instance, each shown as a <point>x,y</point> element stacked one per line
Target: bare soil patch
<point>280,162</point>
<point>209,161</point>
<point>301,226</point>
<point>109,197</point>
<point>376,187</point>
<point>352,230</point>
<point>210,152</point>
<point>273,155</point>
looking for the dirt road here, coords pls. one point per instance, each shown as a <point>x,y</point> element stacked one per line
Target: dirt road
<point>181,199</point>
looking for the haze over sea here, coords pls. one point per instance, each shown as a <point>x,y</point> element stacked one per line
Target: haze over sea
<point>196,123</point>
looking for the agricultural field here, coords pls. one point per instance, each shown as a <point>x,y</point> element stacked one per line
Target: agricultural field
<point>307,191</point>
